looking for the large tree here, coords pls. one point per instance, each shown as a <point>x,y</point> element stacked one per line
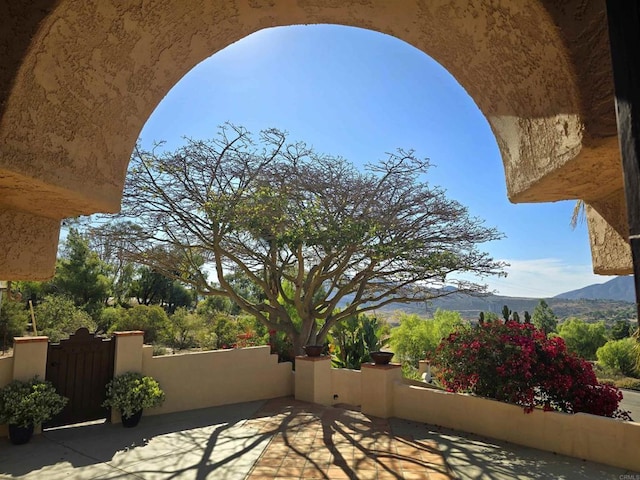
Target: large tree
<point>544,318</point>
<point>81,275</point>
<point>280,213</point>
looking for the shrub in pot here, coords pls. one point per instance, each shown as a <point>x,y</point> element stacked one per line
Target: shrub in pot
<point>24,405</point>
<point>132,392</point>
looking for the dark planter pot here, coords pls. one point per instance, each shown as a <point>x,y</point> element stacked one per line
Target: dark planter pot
<point>133,420</point>
<point>381,358</point>
<point>313,350</point>
<point>20,435</point>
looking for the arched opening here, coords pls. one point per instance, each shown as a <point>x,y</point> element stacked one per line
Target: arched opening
<point>94,73</point>
<point>358,94</point>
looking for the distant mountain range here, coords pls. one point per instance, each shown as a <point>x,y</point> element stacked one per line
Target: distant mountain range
<point>609,301</point>
<point>618,288</point>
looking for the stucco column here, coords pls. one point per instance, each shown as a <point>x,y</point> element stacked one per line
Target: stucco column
<point>30,357</point>
<point>128,354</point>
<point>377,388</point>
<point>29,360</point>
<point>127,358</point>
<point>313,379</point>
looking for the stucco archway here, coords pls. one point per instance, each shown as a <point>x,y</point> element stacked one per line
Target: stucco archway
<point>90,76</point>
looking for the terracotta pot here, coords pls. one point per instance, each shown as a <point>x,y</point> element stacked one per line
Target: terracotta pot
<point>381,358</point>
<point>20,435</point>
<point>133,420</point>
<point>313,350</point>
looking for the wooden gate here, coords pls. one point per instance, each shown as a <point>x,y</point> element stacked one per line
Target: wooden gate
<point>80,368</point>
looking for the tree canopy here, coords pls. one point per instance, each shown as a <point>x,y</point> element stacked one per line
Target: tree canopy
<point>583,338</point>
<point>280,213</point>
<point>544,318</point>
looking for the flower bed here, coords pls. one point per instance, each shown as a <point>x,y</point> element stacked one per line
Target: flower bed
<point>519,364</point>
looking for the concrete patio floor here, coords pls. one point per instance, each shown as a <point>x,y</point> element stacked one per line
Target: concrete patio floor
<point>280,439</point>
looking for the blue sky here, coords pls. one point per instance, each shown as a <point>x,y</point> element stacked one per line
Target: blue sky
<point>359,94</point>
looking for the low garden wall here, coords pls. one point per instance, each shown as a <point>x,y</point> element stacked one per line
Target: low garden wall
<point>346,386</point>
<point>205,379</point>
<point>589,437</point>
<point>219,377</point>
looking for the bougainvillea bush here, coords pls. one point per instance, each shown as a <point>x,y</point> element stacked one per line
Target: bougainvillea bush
<point>517,363</point>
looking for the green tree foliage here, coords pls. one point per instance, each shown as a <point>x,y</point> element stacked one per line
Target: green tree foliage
<point>583,338</point>
<point>13,321</point>
<point>279,212</point>
<point>416,338</point>
<point>152,320</point>
<point>490,317</point>
<point>543,318</point>
<point>111,316</point>
<point>34,291</point>
<point>150,287</point>
<point>185,328</point>
<point>212,305</point>
<point>506,313</point>
<point>223,326</point>
<point>620,329</point>
<point>178,296</point>
<point>354,338</point>
<point>619,355</point>
<point>58,317</point>
<point>81,275</point>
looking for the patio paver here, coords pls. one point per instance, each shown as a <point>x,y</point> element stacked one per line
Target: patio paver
<point>281,439</point>
<point>311,441</point>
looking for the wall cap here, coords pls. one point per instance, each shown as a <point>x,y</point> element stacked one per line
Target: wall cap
<point>131,333</point>
<point>30,339</point>
<point>389,366</point>
<point>313,359</point>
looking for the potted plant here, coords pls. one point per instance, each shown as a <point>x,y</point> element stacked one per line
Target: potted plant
<point>26,404</point>
<point>130,393</point>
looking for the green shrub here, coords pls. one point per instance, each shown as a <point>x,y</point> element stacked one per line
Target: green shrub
<point>619,355</point>
<point>417,337</point>
<point>13,321</point>
<point>354,338</point>
<point>132,392</point>
<point>57,317</point>
<point>184,329</point>
<point>29,403</point>
<point>152,320</point>
<point>583,338</point>
<point>111,316</point>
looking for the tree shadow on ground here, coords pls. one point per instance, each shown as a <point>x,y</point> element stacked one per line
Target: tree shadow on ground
<point>198,441</point>
<point>474,457</point>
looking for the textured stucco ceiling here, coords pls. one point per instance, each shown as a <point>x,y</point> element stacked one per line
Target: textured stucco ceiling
<point>78,80</point>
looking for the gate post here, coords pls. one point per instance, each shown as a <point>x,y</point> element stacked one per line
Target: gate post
<point>29,360</point>
<point>128,354</point>
<point>30,357</point>
<point>127,358</point>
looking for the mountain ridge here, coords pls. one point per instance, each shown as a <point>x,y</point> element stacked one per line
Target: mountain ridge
<point>618,288</point>
<point>608,301</point>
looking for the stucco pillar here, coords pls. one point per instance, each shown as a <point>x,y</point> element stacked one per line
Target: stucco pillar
<point>29,360</point>
<point>30,357</point>
<point>128,354</point>
<point>313,379</point>
<point>127,358</point>
<point>377,388</point>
